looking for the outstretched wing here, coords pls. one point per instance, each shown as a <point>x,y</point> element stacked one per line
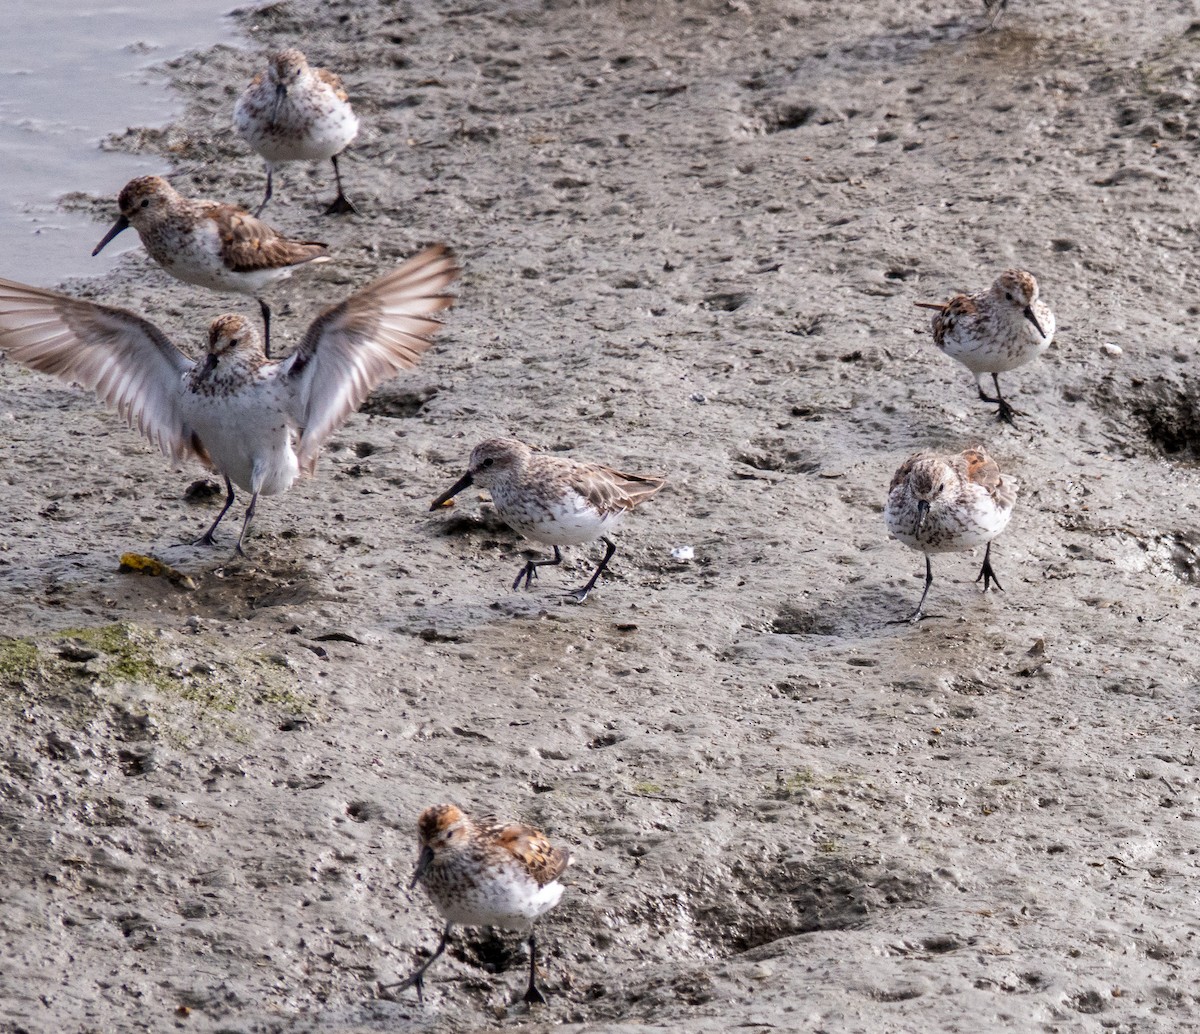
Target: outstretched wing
<point>372,335</point>
<point>124,359</point>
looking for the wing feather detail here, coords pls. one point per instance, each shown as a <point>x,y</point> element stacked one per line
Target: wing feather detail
<point>611,490</point>
<point>541,859</point>
<point>248,244</point>
<point>127,361</point>
<point>371,336</point>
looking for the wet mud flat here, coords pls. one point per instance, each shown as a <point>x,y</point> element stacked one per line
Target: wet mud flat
<point>691,235</point>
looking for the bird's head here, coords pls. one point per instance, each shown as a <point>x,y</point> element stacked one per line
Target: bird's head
<point>437,829</point>
<point>491,462</point>
<point>1017,292</point>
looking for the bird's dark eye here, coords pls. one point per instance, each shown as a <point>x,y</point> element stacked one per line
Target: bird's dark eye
<point>145,202</point>
<point>939,489</point>
<point>1008,295</point>
<point>233,342</point>
<point>489,462</point>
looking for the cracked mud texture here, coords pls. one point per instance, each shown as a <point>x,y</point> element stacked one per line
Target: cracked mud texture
<point>692,234</point>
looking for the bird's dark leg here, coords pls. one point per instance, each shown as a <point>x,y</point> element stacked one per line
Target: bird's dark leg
<point>340,205</point>
<point>417,977</point>
<point>246,523</point>
<point>207,538</point>
<point>529,571</point>
<point>579,595</point>
<point>266,315</point>
<point>1006,411</point>
<point>986,574</point>
<point>919,613</point>
<point>267,195</point>
<point>532,994</point>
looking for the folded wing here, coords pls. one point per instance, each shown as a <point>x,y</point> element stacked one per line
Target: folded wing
<point>124,359</point>
<point>372,335</point>
<point>611,491</point>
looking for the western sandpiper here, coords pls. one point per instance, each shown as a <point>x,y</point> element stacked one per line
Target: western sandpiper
<point>258,423</point>
<point>946,504</point>
<point>485,873</point>
<point>994,331</point>
<point>553,500</point>
<point>210,244</point>
<point>292,113</point>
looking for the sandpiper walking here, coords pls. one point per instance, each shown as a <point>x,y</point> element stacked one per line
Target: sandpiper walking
<point>293,112</point>
<point>258,423</point>
<point>553,500</point>
<point>211,244</point>
<point>947,504</point>
<point>994,331</point>
<point>485,873</point>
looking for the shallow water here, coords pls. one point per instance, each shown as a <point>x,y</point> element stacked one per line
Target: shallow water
<point>72,72</point>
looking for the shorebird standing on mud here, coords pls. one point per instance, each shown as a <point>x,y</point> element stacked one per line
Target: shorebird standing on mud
<point>994,331</point>
<point>948,504</point>
<point>553,500</point>
<point>485,873</point>
<point>210,244</point>
<point>292,113</point>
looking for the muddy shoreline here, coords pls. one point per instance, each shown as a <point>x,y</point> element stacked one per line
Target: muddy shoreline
<point>691,236</point>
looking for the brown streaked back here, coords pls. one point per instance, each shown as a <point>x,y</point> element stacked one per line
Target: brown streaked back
<point>977,466</point>
<point>611,490</point>
<point>248,244</point>
<point>957,307</point>
<point>541,859</point>
<point>331,80</point>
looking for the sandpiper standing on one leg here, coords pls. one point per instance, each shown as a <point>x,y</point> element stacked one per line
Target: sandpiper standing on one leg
<point>293,113</point>
<point>554,500</point>
<point>994,331</point>
<point>210,244</point>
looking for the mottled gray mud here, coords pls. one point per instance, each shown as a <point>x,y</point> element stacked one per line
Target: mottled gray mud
<point>691,235</point>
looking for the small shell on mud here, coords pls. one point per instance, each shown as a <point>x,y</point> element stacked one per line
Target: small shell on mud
<point>1108,348</point>
<point>683,553</point>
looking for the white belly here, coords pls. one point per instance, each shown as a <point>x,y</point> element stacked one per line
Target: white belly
<point>1003,349</point>
<point>567,521</point>
<point>195,258</point>
<point>301,132</point>
<point>249,442</point>
<point>511,903</point>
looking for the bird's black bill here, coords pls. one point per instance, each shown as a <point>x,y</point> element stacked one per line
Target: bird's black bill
<point>423,861</point>
<point>1028,314</point>
<point>922,512</point>
<point>463,482</point>
<point>120,225</point>
<point>210,364</point>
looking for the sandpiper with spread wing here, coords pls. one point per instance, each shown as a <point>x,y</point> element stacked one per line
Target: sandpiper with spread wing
<point>259,423</point>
